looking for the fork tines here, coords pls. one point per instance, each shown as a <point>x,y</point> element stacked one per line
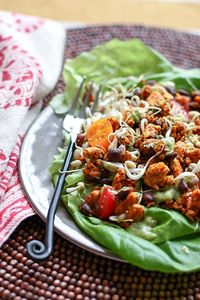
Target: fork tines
<point>85,101</point>
<point>76,98</point>
<point>96,100</point>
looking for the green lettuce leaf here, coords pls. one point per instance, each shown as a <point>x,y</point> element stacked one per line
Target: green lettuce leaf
<point>56,164</point>
<point>176,255</point>
<point>54,170</point>
<point>121,62</point>
<point>170,225</point>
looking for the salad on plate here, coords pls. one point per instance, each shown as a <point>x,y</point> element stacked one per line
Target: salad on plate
<point>133,184</point>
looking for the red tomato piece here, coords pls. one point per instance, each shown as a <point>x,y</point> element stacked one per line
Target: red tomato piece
<point>106,202</point>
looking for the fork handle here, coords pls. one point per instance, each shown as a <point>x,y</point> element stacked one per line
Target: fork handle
<point>39,250</point>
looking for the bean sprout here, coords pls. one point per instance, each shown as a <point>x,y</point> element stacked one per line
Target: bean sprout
<point>139,171</point>
<point>143,123</point>
<point>169,123</point>
<point>80,187</point>
<point>157,110</point>
<point>112,167</point>
<point>196,168</point>
<point>187,175</point>
<point>113,144</point>
<point>194,115</point>
<point>78,152</point>
<point>135,155</point>
<point>70,171</point>
<point>76,163</point>
<point>135,100</point>
<point>120,132</point>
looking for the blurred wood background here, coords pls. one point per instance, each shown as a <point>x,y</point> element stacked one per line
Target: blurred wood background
<point>166,13</point>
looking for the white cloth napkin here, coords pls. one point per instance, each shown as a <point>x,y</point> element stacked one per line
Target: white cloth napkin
<point>31,59</point>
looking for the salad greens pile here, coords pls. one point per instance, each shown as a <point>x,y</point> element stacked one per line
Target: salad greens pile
<point>171,244</point>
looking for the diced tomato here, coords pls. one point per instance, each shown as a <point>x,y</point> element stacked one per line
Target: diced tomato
<point>97,134</point>
<point>178,109</point>
<point>106,202</point>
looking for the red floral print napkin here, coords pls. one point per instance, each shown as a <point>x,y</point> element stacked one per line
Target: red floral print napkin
<point>31,58</point>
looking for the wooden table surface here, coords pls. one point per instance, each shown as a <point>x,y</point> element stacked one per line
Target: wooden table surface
<point>165,13</point>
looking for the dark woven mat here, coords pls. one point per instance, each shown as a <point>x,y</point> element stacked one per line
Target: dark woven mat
<point>73,273</point>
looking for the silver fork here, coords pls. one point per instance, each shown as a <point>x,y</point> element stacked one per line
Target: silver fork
<point>39,250</point>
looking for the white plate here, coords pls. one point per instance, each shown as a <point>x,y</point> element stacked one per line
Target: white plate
<point>38,148</point>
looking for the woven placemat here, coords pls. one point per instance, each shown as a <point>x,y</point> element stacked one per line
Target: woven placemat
<point>71,272</point>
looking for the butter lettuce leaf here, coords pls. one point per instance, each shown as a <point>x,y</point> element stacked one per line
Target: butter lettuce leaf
<point>176,255</point>
<point>56,165</point>
<point>121,62</point>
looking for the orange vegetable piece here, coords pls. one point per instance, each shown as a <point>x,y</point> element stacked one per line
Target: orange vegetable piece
<point>98,132</point>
